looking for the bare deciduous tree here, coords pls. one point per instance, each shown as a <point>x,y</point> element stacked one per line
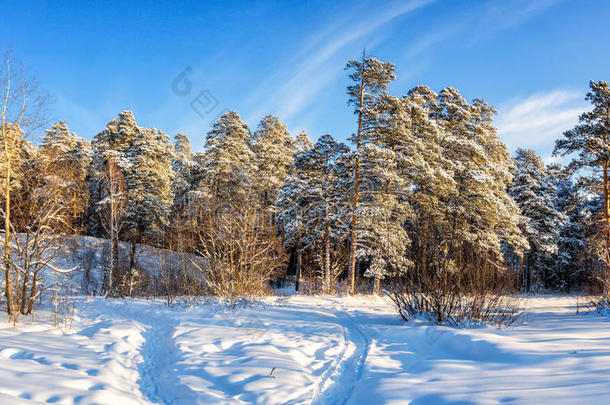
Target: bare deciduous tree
<point>241,250</point>
<point>22,111</point>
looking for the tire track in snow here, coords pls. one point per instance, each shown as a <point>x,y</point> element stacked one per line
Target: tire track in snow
<point>337,383</point>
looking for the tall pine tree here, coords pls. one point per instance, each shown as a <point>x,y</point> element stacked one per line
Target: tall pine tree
<point>590,140</point>
<point>370,78</point>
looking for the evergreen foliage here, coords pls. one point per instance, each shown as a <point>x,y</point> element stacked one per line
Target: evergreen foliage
<point>427,204</point>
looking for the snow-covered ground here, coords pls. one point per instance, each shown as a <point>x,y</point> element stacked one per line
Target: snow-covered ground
<point>302,350</point>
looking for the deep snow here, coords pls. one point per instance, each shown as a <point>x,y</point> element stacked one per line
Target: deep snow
<point>322,350</point>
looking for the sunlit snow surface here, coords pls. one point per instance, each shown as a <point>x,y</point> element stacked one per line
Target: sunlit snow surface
<point>323,350</point>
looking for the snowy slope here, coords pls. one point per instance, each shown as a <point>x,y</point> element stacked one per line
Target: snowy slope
<point>322,350</point>
<point>89,254</point>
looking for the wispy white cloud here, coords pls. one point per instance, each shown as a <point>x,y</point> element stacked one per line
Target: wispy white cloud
<point>469,26</point>
<point>495,16</point>
<point>313,67</point>
<point>295,85</point>
<point>480,22</point>
<point>536,121</point>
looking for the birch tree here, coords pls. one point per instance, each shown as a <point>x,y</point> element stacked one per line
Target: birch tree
<point>111,209</point>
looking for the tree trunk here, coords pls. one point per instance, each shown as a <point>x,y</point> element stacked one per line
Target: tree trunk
<point>8,292</point>
<point>354,242</point>
<point>327,258</point>
<point>356,200</point>
<point>607,225</point>
<point>33,287</point>
<point>297,281</point>
<point>521,283</point>
<point>114,269</point>
<point>132,265</point>
<point>33,295</point>
<point>24,292</point>
<point>74,204</point>
<point>424,252</point>
<point>528,273</point>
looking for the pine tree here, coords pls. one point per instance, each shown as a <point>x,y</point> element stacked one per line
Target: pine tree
<point>289,205</point>
<point>572,240</point>
<point>535,194</point>
<point>302,142</point>
<point>228,162</point>
<point>183,167</point>
<point>148,180</point>
<point>143,156</point>
<point>64,158</point>
<point>479,214</point>
<point>109,189</point>
<point>420,144</point>
<point>273,148</point>
<point>370,78</point>
<point>115,139</point>
<point>324,200</point>
<point>590,139</point>
<point>384,205</point>
<point>119,135</point>
<point>313,207</point>
<point>241,248</point>
<point>594,270</point>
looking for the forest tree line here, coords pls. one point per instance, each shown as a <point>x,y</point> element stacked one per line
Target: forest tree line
<point>426,197</point>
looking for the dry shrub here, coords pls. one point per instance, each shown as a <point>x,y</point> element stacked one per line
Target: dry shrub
<point>455,299</point>
<point>177,276</point>
<point>247,275</point>
<point>64,313</point>
<point>239,250</point>
<point>598,304</point>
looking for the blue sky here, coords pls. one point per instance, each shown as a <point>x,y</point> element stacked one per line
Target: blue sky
<point>531,59</point>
